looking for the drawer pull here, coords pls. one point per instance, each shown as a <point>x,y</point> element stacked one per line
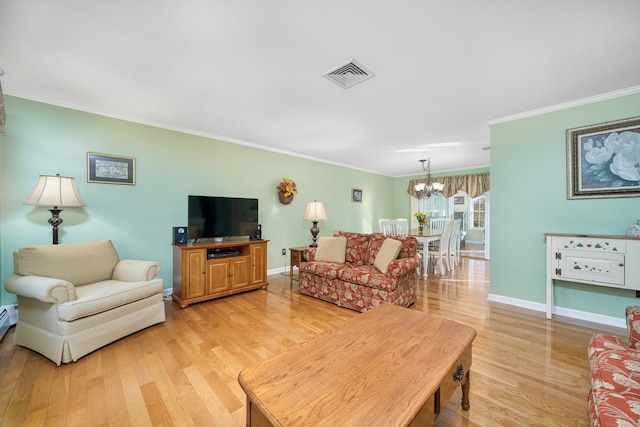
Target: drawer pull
<point>459,374</point>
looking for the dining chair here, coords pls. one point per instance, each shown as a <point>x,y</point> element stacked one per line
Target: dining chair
<point>442,251</point>
<point>452,254</point>
<point>394,227</point>
<point>436,222</point>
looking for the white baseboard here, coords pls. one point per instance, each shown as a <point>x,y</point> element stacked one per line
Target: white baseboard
<point>561,311</point>
<point>12,310</point>
<point>279,270</point>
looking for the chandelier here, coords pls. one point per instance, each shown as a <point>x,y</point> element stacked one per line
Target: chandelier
<point>428,187</point>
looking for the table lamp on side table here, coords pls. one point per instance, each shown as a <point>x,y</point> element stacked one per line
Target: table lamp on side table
<point>315,212</point>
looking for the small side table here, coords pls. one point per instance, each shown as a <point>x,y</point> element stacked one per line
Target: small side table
<point>294,260</point>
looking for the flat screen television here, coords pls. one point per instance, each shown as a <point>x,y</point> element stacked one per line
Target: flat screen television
<point>225,217</point>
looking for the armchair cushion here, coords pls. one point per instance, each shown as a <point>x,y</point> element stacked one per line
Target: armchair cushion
<point>92,261</point>
<point>97,297</point>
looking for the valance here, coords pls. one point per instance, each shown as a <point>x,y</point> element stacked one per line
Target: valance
<point>474,185</point>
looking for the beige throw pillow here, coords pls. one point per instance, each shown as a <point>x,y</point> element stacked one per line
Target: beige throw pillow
<point>331,249</point>
<point>388,252</point>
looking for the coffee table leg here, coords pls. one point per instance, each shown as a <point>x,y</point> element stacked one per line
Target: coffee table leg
<point>465,391</point>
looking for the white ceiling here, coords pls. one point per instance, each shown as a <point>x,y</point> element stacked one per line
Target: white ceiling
<point>250,71</point>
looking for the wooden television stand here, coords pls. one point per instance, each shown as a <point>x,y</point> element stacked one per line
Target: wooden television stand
<point>212,270</point>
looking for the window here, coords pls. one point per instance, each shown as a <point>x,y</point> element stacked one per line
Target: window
<point>435,206</point>
<point>478,213</point>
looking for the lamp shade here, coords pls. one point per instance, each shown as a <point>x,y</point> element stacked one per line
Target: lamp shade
<point>315,212</point>
<point>56,191</point>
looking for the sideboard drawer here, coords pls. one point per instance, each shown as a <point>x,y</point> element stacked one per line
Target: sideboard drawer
<point>592,244</point>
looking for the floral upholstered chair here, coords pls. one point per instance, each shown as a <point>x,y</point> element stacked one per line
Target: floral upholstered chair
<point>614,398</point>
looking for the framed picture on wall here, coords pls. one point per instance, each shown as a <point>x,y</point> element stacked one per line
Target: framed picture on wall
<point>356,195</point>
<point>108,169</point>
<point>458,200</point>
<point>602,160</point>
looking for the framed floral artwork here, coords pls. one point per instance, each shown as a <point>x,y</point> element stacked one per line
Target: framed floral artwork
<point>356,195</point>
<point>604,160</point>
<point>108,169</point>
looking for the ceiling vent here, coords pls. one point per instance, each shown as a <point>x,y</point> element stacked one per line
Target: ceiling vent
<point>348,74</point>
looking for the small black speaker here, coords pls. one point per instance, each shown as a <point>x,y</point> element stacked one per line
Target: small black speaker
<point>258,235</point>
<point>179,235</point>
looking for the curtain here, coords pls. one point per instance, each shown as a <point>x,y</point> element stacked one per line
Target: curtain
<point>474,185</point>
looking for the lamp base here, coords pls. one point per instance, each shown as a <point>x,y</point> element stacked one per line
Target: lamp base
<point>314,232</point>
<point>55,221</point>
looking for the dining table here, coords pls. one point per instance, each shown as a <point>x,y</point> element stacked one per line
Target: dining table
<point>425,237</point>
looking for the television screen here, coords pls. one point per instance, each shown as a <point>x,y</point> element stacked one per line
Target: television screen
<point>222,217</point>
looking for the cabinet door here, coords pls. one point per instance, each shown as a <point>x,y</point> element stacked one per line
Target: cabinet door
<point>600,268</point>
<point>217,276</point>
<point>258,263</point>
<point>239,267</point>
<point>194,275</point>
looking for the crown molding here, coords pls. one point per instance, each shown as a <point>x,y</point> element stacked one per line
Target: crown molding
<point>564,106</point>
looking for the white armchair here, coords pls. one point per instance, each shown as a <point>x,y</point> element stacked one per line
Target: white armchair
<point>77,297</point>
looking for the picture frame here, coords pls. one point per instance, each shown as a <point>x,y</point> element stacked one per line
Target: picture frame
<point>600,160</point>
<point>458,200</point>
<point>110,169</point>
<point>356,195</point>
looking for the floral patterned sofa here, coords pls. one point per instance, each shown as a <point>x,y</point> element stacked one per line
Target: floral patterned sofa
<point>357,283</point>
<point>614,399</point>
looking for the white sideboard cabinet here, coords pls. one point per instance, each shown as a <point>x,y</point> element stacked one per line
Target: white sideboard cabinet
<point>612,261</point>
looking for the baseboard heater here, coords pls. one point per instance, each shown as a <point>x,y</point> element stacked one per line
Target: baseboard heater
<point>4,322</point>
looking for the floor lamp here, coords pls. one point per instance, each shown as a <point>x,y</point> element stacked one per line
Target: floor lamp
<point>315,212</point>
<point>55,192</point>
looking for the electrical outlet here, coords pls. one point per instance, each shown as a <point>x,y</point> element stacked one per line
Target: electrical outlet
<point>284,251</point>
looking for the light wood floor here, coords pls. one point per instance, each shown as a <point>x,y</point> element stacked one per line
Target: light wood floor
<point>527,371</point>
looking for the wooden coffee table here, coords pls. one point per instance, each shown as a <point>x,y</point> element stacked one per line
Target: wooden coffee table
<point>389,366</point>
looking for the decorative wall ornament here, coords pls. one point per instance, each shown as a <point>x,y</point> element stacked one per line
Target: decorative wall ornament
<point>602,160</point>
<point>286,190</point>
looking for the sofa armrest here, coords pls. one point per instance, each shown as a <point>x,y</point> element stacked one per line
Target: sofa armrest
<point>45,289</point>
<point>309,254</point>
<point>633,326</point>
<point>402,266</point>
<point>132,270</point>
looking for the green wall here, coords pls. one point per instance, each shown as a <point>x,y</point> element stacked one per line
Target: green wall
<point>42,139</point>
<point>528,193</point>
<point>529,198</point>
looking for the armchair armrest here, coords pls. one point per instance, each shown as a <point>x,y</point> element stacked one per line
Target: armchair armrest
<point>45,289</point>
<point>633,326</point>
<point>309,254</point>
<point>402,266</point>
<point>131,270</point>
